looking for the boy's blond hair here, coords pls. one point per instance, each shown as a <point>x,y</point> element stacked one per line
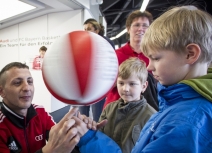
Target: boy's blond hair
<point>177,28</point>
<point>135,66</point>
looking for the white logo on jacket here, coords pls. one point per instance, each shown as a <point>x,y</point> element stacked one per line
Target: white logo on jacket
<point>13,146</point>
<point>39,137</point>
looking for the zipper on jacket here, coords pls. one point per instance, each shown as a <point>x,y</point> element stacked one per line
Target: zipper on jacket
<point>25,135</point>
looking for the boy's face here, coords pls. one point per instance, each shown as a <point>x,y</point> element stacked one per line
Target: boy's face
<point>18,90</point>
<point>130,89</point>
<point>168,67</point>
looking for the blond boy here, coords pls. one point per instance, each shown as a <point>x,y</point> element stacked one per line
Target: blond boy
<point>178,44</point>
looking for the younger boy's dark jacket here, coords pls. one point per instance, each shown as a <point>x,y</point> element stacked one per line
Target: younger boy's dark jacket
<point>125,121</point>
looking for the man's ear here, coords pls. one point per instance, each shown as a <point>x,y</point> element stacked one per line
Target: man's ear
<point>193,52</point>
<point>144,86</point>
<point>1,91</point>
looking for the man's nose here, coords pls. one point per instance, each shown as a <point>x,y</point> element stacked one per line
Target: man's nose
<point>26,86</point>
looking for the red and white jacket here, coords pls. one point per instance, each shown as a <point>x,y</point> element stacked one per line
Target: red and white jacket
<point>19,134</point>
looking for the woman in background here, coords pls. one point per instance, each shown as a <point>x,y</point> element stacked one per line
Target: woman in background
<point>93,26</point>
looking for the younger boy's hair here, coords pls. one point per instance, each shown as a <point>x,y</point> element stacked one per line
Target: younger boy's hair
<point>135,66</point>
<point>177,28</point>
<point>8,67</point>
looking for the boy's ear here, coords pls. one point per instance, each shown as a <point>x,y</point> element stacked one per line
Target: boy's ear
<point>144,85</point>
<point>193,52</point>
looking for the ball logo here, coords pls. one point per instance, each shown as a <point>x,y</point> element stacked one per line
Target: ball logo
<point>39,137</point>
<point>80,68</point>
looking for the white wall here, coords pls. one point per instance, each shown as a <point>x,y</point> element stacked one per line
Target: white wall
<point>21,43</point>
<point>8,45</point>
<point>87,14</point>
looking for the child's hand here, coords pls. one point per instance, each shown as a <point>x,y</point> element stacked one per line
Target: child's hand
<point>101,124</point>
<point>81,126</point>
<point>91,124</point>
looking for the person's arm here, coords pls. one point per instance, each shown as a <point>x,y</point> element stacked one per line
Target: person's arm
<point>3,141</point>
<point>94,141</point>
<point>175,136</point>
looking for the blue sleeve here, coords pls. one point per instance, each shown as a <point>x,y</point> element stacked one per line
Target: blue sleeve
<point>96,141</point>
<point>172,138</point>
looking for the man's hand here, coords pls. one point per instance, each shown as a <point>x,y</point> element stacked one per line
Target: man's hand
<point>63,136</point>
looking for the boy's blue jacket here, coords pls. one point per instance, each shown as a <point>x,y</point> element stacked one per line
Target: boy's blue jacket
<point>183,124</point>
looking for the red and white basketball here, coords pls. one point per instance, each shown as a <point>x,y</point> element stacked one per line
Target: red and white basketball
<point>80,68</point>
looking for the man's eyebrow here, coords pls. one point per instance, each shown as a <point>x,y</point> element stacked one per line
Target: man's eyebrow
<point>18,78</point>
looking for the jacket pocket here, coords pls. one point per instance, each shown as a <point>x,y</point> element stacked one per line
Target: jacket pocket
<point>136,133</point>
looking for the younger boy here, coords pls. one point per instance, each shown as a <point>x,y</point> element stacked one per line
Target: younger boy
<point>127,116</point>
<point>178,44</point>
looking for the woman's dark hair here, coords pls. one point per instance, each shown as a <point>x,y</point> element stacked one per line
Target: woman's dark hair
<point>96,25</point>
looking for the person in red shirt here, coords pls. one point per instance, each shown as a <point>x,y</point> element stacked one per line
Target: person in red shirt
<point>137,23</point>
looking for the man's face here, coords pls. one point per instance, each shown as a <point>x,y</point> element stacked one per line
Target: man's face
<point>18,91</point>
<point>130,89</point>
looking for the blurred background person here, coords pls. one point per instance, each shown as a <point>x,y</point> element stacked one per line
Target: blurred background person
<point>93,26</point>
<point>37,62</point>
